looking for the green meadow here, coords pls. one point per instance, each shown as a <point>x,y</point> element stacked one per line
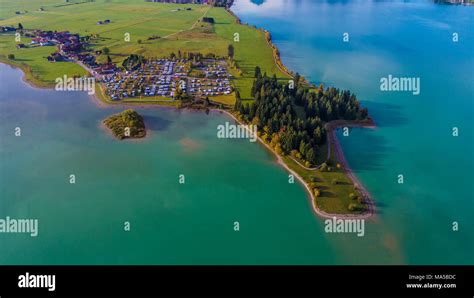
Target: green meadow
<point>34,63</point>
<point>335,188</point>
<point>172,28</point>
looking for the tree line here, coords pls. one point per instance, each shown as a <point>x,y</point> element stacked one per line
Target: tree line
<point>292,118</point>
<point>221,3</point>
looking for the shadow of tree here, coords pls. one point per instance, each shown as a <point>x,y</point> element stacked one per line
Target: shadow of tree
<point>156,123</point>
<point>370,152</point>
<point>385,114</point>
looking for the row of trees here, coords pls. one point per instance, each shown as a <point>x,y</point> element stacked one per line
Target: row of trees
<point>293,119</point>
<point>221,3</point>
<point>191,55</point>
<point>132,62</point>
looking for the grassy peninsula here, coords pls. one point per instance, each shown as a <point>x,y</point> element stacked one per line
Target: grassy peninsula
<point>156,30</point>
<point>127,124</point>
<point>295,123</point>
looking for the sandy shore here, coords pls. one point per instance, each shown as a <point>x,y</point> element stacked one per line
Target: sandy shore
<point>342,160</point>
<point>331,128</point>
<point>339,154</point>
<point>30,83</point>
<point>109,132</point>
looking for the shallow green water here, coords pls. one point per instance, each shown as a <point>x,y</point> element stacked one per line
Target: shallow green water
<point>414,133</point>
<point>228,181</point>
<point>171,223</point>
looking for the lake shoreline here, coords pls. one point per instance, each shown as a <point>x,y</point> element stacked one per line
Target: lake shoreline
<point>30,81</point>
<point>99,98</point>
<point>109,132</point>
<point>332,127</point>
<point>348,171</point>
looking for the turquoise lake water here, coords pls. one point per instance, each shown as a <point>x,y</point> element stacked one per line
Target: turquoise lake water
<point>414,133</point>
<point>228,181</point>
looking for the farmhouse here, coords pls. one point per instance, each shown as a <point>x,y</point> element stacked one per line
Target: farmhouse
<point>7,29</point>
<point>69,45</point>
<point>65,41</point>
<point>105,68</point>
<point>208,20</point>
<point>175,78</point>
<point>103,22</point>
<point>55,57</point>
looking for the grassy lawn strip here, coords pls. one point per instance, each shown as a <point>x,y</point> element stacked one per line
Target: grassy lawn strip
<point>177,30</point>
<point>333,198</point>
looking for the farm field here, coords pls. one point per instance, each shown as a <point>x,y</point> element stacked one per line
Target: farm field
<point>156,30</point>
<point>171,27</point>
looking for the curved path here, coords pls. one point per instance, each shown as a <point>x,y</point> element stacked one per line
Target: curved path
<point>331,128</point>
<point>333,125</point>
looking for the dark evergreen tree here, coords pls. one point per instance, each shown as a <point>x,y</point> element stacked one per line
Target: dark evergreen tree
<point>258,72</point>
<point>276,108</point>
<point>230,51</point>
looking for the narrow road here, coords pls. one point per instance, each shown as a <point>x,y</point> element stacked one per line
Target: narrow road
<point>193,26</point>
<point>275,58</point>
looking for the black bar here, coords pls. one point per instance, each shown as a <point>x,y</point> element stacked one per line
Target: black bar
<point>289,281</point>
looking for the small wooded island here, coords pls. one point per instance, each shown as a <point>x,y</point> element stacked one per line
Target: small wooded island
<point>127,124</point>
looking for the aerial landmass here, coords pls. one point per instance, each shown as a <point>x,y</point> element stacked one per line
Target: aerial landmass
<point>200,57</point>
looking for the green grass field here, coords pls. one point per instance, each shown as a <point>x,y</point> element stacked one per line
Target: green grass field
<point>333,199</point>
<point>177,30</point>
<point>252,49</point>
<point>33,61</point>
